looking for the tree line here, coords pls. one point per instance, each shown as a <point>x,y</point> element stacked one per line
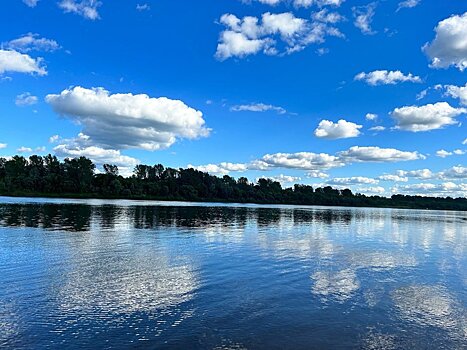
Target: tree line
<point>77,177</point>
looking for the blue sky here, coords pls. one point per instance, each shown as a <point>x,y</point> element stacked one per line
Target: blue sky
<point>359,94</point>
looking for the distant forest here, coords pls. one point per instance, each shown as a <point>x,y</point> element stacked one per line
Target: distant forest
<point>49,177</point>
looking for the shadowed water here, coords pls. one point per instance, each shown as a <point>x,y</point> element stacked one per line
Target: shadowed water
<point>123,274</point>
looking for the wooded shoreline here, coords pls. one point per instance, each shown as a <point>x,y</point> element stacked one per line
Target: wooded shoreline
<point>77,178</point>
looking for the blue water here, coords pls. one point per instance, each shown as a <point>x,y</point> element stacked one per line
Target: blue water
<point>150,275</point>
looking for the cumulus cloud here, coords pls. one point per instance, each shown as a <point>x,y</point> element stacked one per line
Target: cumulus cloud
<point>371,116</point>
<point>31,3</point>
<point>363,16</point>
<point>3,145</point>
<point>96,154</point>
<point>300,160</point>
<point>32,42</point>
<point>353,180</point>
<point>455,173</point>
<point>385,77</point>
<point>26,99</point>
<point>316,174</point>
<point>119,121</point>
<point>443,153</point>
<point>340,130</point>
<point>434,190</point>
<point>251,35</point>
<point>418,174</point>
<point>258,107</point>
<point>23,149</point>
<point>459,92</point>
<point>427,117</point>
<point>369,191</point>
<point>16,62</point>
<point>449,48</point>
<point>223,168</point>
<point>84,8</point>
<point>315,163</point>
<point>282,179</point>
<point>377,154</point>
<point>393,178</point>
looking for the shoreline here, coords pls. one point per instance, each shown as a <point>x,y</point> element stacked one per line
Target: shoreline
<point>208,201</point>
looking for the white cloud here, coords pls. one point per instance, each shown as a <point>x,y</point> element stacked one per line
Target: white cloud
<point>223,168</point>
<point>32,42</point>
<point>300,160</point>
<point>353,181</point>
<point>371,116</point>
<point>377,154</point>
<point>394,178</point>
<point>121,121</point>
<point>454,173</point>
<point>364,17</point>
<point>250,35</point>
<point>3,145</point>
<point>54,138</point>
<point>31,3</point>
<point>14,61</point>
<point>319,3</point>
<point>459,92</point>
<point>23,149</point>
<point>464,142</point>
<point>316,174</point>
<point>258,107</point>
<point>99,156</point>
<point>40,149</point>
<point>314,163</point>
<point>282,179</point>
<point>303,3</point>
<point>408,4</point>
<point>427,117</point>
<point>422,94</point>
<point>340,130</point>
<point>418,174</point>
<point>443,153</point>
<point>143,7</point>
<point>369,191</point>
<point>385,77</point>
<point>434,190</point>
<point>377,128</point>
<point>327,17</point>
<point>26,99</point>
<point>449,48</point>
<point>85,8</point>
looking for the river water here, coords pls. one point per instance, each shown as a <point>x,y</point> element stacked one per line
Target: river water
<point>100,274</point>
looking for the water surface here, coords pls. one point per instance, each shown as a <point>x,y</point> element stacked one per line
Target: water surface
<point>127,274</point>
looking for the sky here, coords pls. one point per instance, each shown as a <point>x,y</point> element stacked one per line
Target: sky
<point>370,96</point>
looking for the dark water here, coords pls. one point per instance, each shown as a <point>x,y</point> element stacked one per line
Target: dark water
<point>119,274</point>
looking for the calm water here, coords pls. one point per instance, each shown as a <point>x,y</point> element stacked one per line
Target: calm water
<point>122,274</point>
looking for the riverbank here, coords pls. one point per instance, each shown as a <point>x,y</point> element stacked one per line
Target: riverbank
<point>461,206</point>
